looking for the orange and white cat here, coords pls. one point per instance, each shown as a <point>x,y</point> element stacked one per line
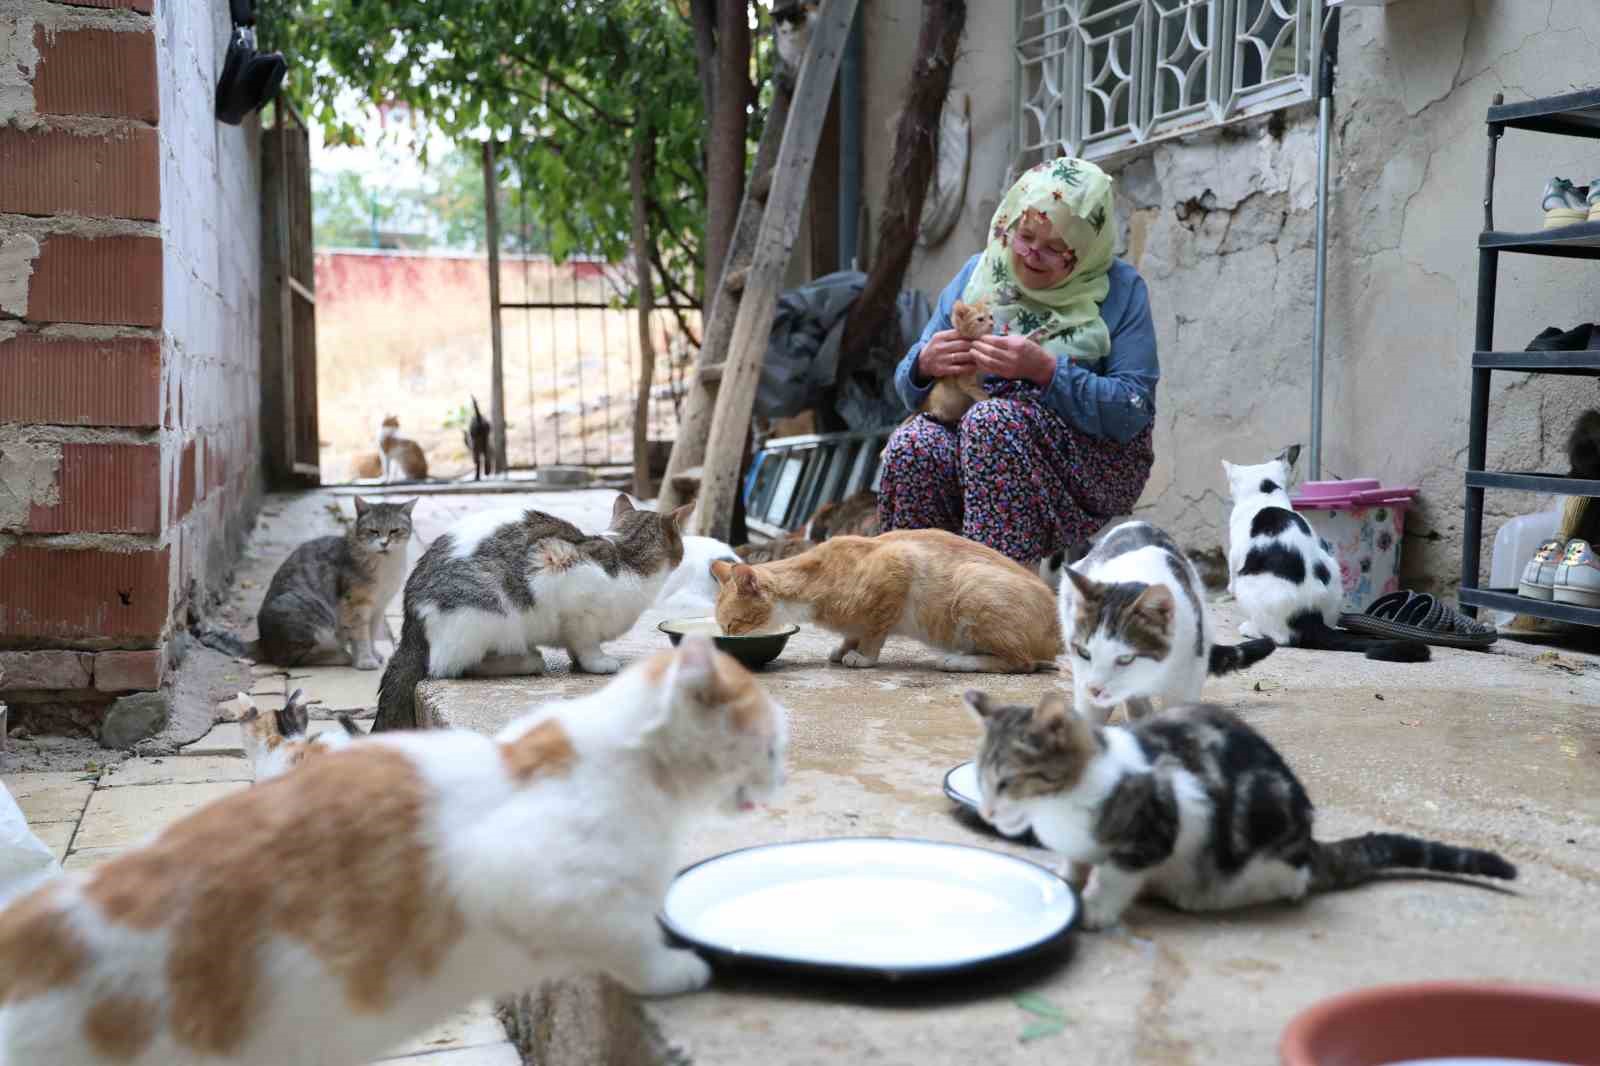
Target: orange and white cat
<point>327,915</point>
<point>277,741</point>
<point>954,594</point>
<point>403,459</point>
<point>953,396</point>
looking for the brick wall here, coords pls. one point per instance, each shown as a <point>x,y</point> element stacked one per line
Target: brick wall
<point>129,339</point>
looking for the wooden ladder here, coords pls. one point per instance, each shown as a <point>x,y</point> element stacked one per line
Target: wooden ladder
<point>710,446</point>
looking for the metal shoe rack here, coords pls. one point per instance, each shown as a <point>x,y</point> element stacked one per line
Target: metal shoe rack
<point>1570,115</point>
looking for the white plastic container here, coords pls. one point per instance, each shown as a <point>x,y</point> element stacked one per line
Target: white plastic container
<point>1365,523</point>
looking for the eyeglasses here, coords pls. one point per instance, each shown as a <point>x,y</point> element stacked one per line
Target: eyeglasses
<point>1036,249</point>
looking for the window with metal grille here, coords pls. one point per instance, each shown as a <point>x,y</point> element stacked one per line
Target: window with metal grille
<point>1096,78</point>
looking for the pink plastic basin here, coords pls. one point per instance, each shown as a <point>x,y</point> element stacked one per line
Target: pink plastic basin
<point>1351,493</point>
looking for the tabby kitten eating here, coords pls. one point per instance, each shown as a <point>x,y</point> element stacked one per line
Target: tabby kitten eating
<point>489,593</point>
<point>326,602</point>
<point>330,914</point>
<point>1190,805</point>
<point>1135,619</point>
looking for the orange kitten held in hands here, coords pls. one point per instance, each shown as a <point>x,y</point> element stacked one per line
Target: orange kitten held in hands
<point>986,611</point>
<point>951,397</point>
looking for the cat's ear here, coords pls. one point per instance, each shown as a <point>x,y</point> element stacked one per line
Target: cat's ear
<point>693,679</point>
<point>722,570</point>
<point>621,509</point>
<point>681,516</point>
<point>1086,586</point>
<point>978,703</point>
<point>409,504</point>
<point>744,577</point>
<point>1156,605</point>
<point>1289,455</point>
<point>294,718</point>
<point>362,506</point>
<point>1051,709</point>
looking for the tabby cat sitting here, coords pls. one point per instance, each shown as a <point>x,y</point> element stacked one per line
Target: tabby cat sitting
<point>326,602</point>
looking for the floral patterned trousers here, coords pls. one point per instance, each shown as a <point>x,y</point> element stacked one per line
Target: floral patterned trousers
<point>1013,475</point>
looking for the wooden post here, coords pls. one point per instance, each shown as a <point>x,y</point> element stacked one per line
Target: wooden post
<point>730,421</point>
<point>689,448</point>
<point>497,372</point>
<point>640,174</point>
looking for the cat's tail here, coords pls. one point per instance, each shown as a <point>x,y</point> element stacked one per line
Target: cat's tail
<point>349,726</point>
<point>1350,862</point>
<point>1311,632</point>
<point>1226,658</point>
<point>397,689</point>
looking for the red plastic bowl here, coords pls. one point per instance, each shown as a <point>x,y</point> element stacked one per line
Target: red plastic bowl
<point>1394,1023</point>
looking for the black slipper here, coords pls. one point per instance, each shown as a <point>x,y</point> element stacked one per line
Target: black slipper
<point>1407,615</point>
<point>1551,339</point>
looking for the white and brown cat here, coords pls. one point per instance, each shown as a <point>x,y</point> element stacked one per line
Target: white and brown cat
<point>328,914</point>
<point>987,612</point>
<point>403,459</point>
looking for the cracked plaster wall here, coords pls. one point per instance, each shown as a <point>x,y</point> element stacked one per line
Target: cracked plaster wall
<point>1222,227</point>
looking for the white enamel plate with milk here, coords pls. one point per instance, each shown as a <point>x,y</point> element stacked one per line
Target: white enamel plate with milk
<point>871,906</point>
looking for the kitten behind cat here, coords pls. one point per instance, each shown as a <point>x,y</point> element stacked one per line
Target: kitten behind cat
<point>326,602</point>
<point>277,741</point>
<point>952,397</point>
<point>1190,805</point>
<point>327,915</point>
<point>986,612</point>
<point>403,459</point>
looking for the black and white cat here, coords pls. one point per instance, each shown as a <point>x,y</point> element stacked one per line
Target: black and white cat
<point>1190,805</point>
<point>1283,575</point>
<point>494,589</point>
<point>1134,619</point>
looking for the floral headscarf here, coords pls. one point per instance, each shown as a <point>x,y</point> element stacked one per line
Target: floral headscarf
<point>1075,195</point>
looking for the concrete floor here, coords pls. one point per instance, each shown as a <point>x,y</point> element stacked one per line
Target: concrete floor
<point>1498,750</point>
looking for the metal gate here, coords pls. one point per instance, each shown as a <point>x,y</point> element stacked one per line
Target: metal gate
<point>288,303</point>
<point>569,342</point>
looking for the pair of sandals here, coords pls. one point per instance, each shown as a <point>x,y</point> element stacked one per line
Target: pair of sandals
<point>1407,615</point>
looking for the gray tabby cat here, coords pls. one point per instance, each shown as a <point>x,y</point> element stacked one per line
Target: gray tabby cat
<point>325,604</point>
<point>489,593</point>
<point>1190,805</point>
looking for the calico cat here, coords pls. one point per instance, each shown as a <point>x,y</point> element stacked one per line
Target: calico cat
<point>792,30</point>
<point>327,915</point>
<point>1284,576</point>
<point>853,516</point>
<point>487,594</point>
<point>326,602</point>
<point>1190,805</point>
<point>952,397</point>
<point>476,436</point>
<point>1135,620</point>
<point>986,611</point>
<point>280,740</point>
<point>403,459</point>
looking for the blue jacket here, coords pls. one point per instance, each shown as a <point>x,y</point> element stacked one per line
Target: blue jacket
<point>1117,399</point>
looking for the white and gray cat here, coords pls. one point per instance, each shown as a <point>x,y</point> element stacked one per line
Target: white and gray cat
<point>493,590</point>
<point>1283,575</point>
<point>1134,618</point>
<point>326,602</point>
<point>1190,805</point>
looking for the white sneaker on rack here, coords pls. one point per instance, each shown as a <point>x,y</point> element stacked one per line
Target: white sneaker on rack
<point>1539,576</point>
<point>1564,203</point>
<point>1578,577</point>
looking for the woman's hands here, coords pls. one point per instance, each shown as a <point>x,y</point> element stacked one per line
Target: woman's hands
<point>946,354</point>
<point>1015,358</point>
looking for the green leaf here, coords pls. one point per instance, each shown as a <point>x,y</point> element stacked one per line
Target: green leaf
<point>1042,1007</point>
<point>1039,1030</point>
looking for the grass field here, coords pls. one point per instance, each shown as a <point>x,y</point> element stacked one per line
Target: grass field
<point>409,335</point>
